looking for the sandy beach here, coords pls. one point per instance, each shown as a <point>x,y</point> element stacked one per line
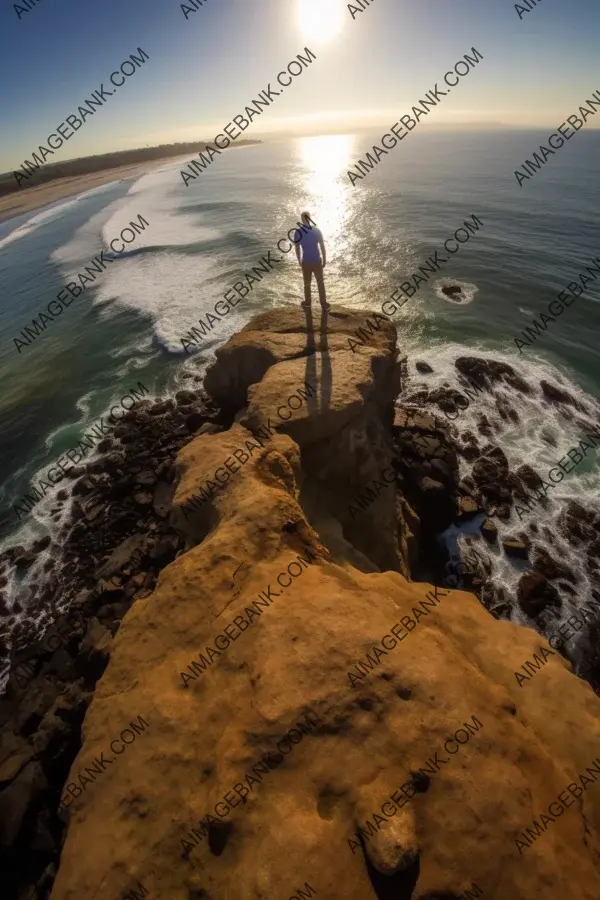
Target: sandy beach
<point>36,197</point>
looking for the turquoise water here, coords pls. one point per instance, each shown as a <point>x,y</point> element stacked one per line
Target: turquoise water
<point>200,240</point>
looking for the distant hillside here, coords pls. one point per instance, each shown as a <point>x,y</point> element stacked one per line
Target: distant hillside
<point>87,164</point>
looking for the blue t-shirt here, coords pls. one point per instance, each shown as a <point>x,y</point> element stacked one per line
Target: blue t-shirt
<point>309,241</point>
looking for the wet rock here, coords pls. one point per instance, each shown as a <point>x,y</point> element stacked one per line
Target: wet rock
<point>488,371</point>
<point>558,395</point>
<point>506,411</point>
<point>565,588</point>
<point>446,398</point>
<point>549,567</point>
<point>528,476</point>
<point>185,398</point>
<point>549,439</point>
<point>11,553</point>
<point>40,544</point>
<point>470,452</point>
<point>515,548</point>
<point>143,498</point>
<point>467,508</point>
<point>452,290</point>
<point>494,599</point>
<point>83,487</point>
<point>25,560</point>
<point>576,522</point>
<point>593,554</point>
<point>423,367</point>
<point>489,531</point>
<point>75,472</point>
<point>415,419</point>
<point>484,427</point>
<point>490,474</point>
<point>466,485</point>
<point>535,593</point>
<point>161,408</point>
<point>193,422</point>
<point>114,461</point>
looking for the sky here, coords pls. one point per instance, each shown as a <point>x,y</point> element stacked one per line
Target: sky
<point>204,69</point>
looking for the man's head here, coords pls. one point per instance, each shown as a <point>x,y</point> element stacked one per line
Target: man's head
<point>306,218</point>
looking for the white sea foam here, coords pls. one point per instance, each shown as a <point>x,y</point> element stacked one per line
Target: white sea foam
<point>543,435</point>
<point>160,274</point>
<point>36,221</point>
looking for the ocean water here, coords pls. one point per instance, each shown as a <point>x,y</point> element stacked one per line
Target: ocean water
<point>127,326</point>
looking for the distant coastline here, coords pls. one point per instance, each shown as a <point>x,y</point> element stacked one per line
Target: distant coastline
<point>64,180</point>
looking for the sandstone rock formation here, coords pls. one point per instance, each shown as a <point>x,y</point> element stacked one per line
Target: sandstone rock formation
<point>282,591</point>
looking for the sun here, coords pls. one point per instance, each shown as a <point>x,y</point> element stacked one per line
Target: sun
<point>320,20</point>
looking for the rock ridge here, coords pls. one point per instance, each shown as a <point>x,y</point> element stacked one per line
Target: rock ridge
<point>280,585</point>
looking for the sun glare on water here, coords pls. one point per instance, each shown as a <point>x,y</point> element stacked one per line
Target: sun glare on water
<point>320,20</point>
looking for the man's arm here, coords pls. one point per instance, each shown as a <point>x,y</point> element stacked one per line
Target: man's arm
<point>323,252</point>
<point>297,249</point>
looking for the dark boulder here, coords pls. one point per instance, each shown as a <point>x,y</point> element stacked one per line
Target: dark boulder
<point>452,290</point>
<point>549,567</point>
<point>25,560</point>
<point>558,395</point>
<point>40,544</point>
<point>488,371</point>
<point>576,523</point>
<point>423,367</point>
<point>489,531</point>
<point>484,426</point>
<point>164,406</point>
<point>535,593</point>
<point>515,548</point>
<point>490,474</point>
<point>467,508</point>
<point>193,422</point>
<point>185,398</point>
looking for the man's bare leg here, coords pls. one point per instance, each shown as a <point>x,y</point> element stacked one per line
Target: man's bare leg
<point>321,286</point>
<point>307,275</point>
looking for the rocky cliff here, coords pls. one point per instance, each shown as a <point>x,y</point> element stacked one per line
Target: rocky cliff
<point>291,712</point>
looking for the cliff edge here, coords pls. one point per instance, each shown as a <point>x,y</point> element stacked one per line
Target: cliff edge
<point>289,712</point>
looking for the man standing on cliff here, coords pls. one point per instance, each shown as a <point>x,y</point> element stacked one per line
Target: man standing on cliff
<point>313,248</point>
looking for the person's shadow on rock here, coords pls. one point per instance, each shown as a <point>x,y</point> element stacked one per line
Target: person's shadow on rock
<point>322,384</point>
<point>326,372</point>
